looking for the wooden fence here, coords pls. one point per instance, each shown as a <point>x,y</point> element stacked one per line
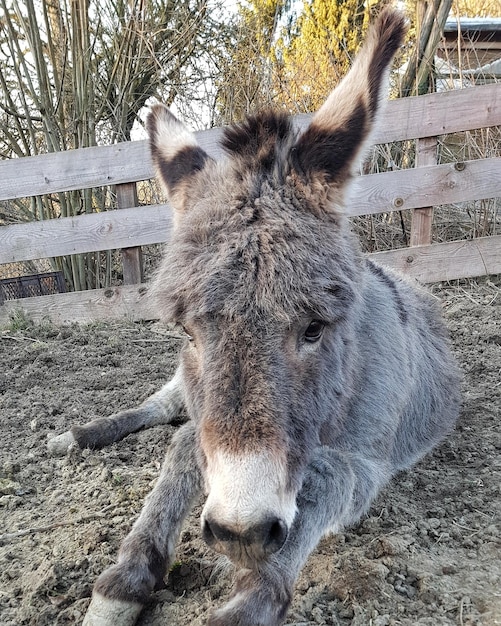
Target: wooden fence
<point>123,165</point>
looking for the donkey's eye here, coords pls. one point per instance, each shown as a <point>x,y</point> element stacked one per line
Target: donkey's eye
<point>188,336</point>
<point>314,331</point>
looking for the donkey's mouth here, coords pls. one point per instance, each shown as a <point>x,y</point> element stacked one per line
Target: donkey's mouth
<point>247,548</point>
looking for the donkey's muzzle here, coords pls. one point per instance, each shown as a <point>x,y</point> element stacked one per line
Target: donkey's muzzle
<point>253,544</point>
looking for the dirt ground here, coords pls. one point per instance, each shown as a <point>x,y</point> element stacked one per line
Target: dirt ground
<point>428,553</point>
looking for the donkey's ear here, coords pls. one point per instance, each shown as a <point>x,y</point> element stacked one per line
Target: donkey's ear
<point>175,153</point>
<point>329,149</point>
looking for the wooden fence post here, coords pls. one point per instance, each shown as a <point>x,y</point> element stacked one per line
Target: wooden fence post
<point>422,219</point>
<point>132,258</point>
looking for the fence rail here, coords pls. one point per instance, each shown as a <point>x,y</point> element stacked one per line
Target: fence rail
<point>122,165</point>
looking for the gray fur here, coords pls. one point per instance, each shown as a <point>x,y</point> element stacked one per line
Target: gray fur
<point>310,372</point>
<point>149,548</point>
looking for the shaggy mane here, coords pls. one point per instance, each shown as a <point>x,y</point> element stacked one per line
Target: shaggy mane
<point>259,139</point>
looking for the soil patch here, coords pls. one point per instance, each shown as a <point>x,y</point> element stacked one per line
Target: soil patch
<point>428,553</point>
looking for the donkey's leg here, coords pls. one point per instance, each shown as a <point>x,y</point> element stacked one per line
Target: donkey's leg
<point>160,408</point>
<point>121,591</point>
<point>336,491</point>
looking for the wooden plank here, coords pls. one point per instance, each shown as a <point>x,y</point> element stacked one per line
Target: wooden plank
<point>74,169</point>
<point>86,167</point>
<point>110,230</point>
<point>132,258</point>
<point>140,226</point>
<point>441,113</point>
<point>406,118</point>
<point>422,219</point>
<point>435,114</point>
<point>115,303</point>
<point>426,186</point>
<point>446,261</point>
<point>438,262</point>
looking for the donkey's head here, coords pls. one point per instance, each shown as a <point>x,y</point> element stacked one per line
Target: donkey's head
<point>263,275</point>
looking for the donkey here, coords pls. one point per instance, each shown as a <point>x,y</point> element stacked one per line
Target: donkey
<point>310,374</point>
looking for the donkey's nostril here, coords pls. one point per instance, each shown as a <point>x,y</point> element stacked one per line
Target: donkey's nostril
<point>275,535</point>
<point>213,532</point>
<point>207,534</point>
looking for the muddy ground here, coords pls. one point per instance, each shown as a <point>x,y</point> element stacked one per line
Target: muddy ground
<point>428,553</point>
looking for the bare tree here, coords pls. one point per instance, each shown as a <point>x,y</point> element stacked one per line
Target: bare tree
<point>430,21</point>
<point>76,73</point>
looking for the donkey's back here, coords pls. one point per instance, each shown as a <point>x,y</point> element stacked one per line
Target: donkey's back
<point>407,382</point>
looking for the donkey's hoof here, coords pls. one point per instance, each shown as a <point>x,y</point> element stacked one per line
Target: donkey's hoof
<point>59,446</point>
<point>107,612</point>
<point>232,616</point>
<point>261,606</point>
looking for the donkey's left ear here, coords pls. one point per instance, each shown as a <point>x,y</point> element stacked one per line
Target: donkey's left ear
<point>175,153</point>
<point>329,149</point>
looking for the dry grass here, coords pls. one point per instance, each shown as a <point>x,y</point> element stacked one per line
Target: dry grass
<point>484,290</point>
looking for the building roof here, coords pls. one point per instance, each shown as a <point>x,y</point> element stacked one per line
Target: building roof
<point>473,24</point>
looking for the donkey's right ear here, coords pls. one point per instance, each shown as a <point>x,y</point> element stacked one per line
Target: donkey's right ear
<point>175,153</point>
<point>329,150</point>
